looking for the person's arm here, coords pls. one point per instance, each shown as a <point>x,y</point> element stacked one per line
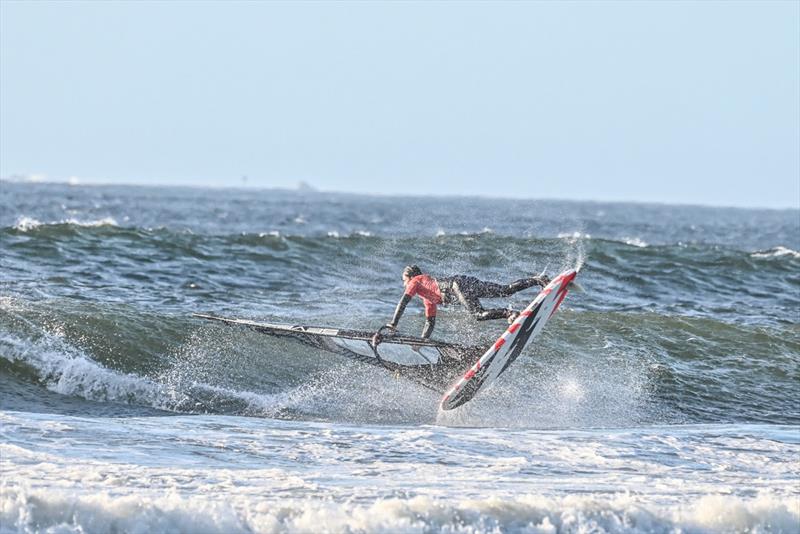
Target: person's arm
<point>430,319</point>
<point>430,322</point>
<point>398,312</point>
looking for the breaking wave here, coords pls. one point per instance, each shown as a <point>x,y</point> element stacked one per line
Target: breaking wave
<point>602,369</point>
<point>26,224</point>
<point>26,510</point>
<point>776,252</point>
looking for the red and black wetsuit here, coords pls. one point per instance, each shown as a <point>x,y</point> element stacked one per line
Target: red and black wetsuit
<point>428,290</point>
<point>462,289</point>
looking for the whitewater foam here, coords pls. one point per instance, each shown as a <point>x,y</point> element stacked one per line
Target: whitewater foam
<point>573,236</point>
<point>31,510</point>
<point>776,252</point>
<point>25,224</point>
<point>635,242</point>
<point>68,371</point>
<point>271,233</point>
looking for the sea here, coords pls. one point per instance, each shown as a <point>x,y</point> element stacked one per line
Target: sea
<point>663,397</point>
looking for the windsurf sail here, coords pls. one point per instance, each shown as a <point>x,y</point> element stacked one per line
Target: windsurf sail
<point>433,364</point>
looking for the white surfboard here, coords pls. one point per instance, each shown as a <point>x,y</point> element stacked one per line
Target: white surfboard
<point>509,345</point>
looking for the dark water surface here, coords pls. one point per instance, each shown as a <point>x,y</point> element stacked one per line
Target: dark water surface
<point>690,316</point>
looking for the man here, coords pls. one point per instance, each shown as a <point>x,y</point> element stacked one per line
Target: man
<point>465,290</point>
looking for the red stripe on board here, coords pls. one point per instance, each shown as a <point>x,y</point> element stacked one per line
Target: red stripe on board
<point>499,343</point>
<point>561,298</point>
<point>513,328</point>
<point>526,313</point>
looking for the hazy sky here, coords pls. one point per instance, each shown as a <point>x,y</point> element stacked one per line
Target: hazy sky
<point>689,102</point>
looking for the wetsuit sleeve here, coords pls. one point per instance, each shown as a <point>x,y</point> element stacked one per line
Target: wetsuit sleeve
<point>430,308</point>
<point>412,287</point>
<point>401,307</point>
<point>430,322</point>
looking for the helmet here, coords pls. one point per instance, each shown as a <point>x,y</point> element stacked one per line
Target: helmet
<point>411,271</point>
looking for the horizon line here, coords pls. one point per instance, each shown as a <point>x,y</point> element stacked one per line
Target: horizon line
<point>303,187</point>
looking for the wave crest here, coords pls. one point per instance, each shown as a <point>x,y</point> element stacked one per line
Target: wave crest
<point>776,252</point>
<point>25,224</point>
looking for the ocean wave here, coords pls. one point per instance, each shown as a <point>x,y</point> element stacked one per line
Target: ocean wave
<point>34,510</point>
<point>68,371</point>
<point>26,224</point>
<point>573,236</point>
<point>485,231</point>
<point>635,241</point>
<point>505,244</point>
<point>271,233</point>
<point>776,252</point>
<point>599,369</point>
<point>355,234</point>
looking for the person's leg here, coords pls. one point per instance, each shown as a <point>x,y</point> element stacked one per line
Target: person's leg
<point>524,283</point>
<point>463,291</point>
<point>467,289</point>
<point>489,290</point>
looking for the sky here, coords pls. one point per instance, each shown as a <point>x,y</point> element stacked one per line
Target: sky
<point>675,102</point>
